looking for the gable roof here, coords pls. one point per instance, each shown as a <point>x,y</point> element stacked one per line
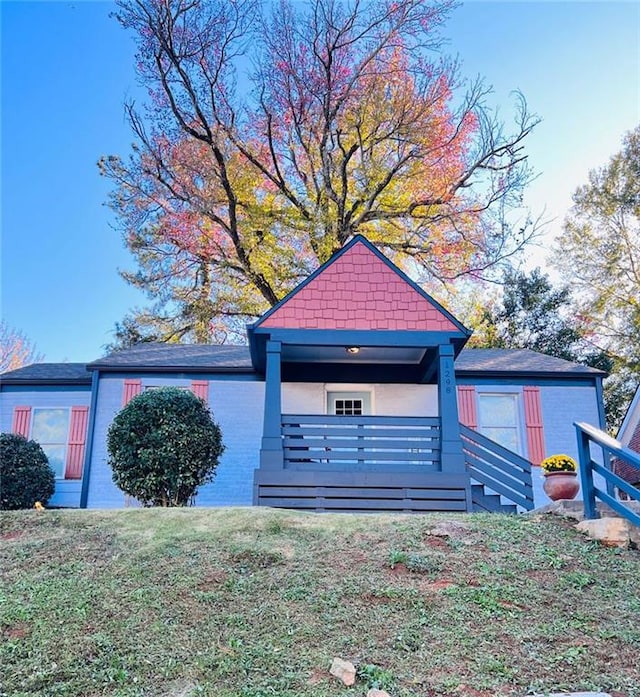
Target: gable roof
<point>360,289</point>
<point>189,357</point>
<point>48,374</point>
<point>495,362</point>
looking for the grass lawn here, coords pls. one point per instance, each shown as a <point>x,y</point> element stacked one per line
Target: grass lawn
<point>257,602</point>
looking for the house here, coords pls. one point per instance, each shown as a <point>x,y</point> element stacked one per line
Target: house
<point>355,392</point>
<point>629,436</point>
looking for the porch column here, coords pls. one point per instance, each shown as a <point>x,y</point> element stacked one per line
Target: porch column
<point>271,455</point>
<point>450,442</point>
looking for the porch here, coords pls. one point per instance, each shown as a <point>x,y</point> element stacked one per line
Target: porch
<point>359,323</point>
<point>389,463</point>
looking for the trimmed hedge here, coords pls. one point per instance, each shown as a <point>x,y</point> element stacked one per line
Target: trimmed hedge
<point>164,445</point>
<point>25,474</point>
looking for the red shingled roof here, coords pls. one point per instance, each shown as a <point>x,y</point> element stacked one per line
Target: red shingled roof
<point>358,290</point>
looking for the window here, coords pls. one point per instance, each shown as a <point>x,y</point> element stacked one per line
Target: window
<point>498,419</point>
<point>348,403</point>
<point>348,407</point>
<point>50,428</point>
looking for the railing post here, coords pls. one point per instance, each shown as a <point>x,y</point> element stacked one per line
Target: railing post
<point>607,463</point>
<point>271,453</point>
<point>450,441</point>
<point>586,475</point>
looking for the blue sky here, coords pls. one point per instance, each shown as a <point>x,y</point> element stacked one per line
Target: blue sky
<point>67,68</point>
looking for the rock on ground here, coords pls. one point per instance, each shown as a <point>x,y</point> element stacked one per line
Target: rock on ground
<point>613,532</point>
<point>344,671</point>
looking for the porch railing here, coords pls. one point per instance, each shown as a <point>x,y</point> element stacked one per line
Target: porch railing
<point>589,436</point>
<point>498,469</point>
<point>361,443</point>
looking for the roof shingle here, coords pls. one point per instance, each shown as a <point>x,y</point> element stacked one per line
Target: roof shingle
<point>495,361</point>
<point>52,373</point>
<point>178,356</point>
<point>209,358</point>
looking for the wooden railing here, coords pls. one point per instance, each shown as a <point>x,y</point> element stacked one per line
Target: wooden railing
<point>498,469</point>
<point>361,443</point>
<point>609,447</point>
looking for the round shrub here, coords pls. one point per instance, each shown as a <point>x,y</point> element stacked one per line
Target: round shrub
<point>25,474</point>
<point>162,446</point>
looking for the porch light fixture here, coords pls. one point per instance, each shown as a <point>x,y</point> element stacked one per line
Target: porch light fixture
<point>352,349</point>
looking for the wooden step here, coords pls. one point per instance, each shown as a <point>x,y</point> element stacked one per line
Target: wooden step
<point>492,503</point>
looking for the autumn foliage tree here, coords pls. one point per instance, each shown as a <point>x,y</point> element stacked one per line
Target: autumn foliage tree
<point>599,251</point>
<point>533,314</point>
<point>16,350</point>
<point>274,134</point>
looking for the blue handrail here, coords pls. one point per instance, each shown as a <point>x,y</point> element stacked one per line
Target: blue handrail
<point>498,468</point>
<point>588,435</point>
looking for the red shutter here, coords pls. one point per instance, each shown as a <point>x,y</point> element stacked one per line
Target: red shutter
<point>533,421</point>
<point>21,421</point>
<point>467,406</point>
<point>77,440</point>
<point>131,389</point>
<point>200,388</point>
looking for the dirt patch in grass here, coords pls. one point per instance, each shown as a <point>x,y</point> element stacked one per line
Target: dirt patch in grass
<point>255,602</point>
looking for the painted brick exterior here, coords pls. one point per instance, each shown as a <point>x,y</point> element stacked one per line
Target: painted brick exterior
<point>103,493</point>
<point>561,407</point>
<point>67,491</point>
<point>359,291</point>
<point>237,406</point>
<point>387,399</point>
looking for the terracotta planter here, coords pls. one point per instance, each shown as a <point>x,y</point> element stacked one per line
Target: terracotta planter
<point>561,485</point>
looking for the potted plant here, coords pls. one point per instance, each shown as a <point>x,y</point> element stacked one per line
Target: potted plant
<point>560,477</point>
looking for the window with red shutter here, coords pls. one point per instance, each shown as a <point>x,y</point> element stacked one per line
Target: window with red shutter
<point>130,390</point>
<point>77,441</point>
<point>533,422</point>
<point>200,388</point>
<point>467,406</point>
<point>21,421</point>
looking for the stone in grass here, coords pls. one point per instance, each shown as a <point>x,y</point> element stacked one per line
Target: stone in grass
<point>613,532</point>
<point>344,671</point>
<point>374,692</point>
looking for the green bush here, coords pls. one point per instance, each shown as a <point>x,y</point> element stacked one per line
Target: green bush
<point>163,445</point>
<point>25,475</point>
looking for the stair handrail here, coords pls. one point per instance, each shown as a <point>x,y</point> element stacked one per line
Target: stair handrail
<point>499,468</point>
<point>610,447</point>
